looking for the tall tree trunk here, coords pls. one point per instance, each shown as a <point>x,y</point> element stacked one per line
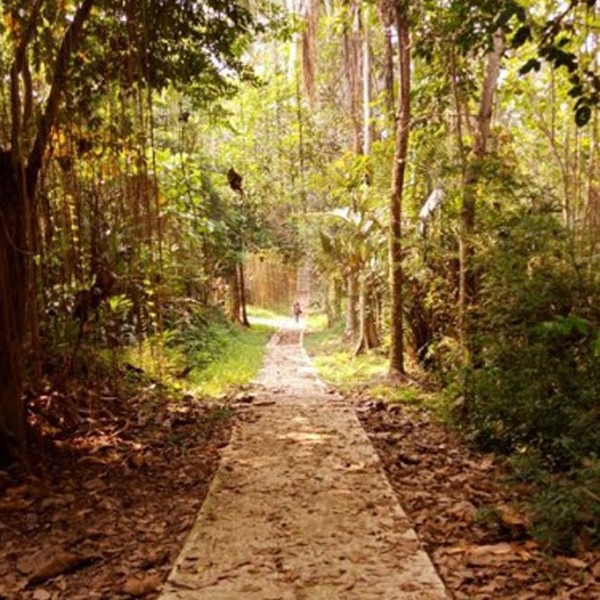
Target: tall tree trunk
<point>352,56</point>
<point>242,290</point>
<point>368,335</point>
<point>310,13</point>
<point>13,292</point>
<point>331,301</point>
<point>591,213</point>
<point>351,306</point>
<point>18,187</point>
<point>398,173</point>
<point>386,14</point>
<point>467,285</point>
<point>235,308</point>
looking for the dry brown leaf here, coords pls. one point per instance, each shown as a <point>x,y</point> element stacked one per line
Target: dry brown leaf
<point>487,463</point>
<point>465,511</point>
<point>56,563</point>
<point>140,587</point>
<point>511,518</point>
<point>17,490</point>
<point>481,556</point>
<point>576,563</point>
<point>496,549</point>
<point>137,460</point>
<point>94,484</point>
<point>16,504</point>
<point>26,564</point>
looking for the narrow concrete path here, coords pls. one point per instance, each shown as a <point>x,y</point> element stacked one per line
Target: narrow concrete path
<point>300,508</point>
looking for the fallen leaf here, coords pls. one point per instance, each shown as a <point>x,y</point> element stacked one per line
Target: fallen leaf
<point>26,564</point>
<point>140,587</point>
<point>137,460</point>
<point>58,562</point>
<point>576,563</point>
<point>465,511</point>
<point>94,484</point>
<point>487,463</point>
<point>456,549</point>
<point>14,505</point>
<point>481,556</point>
<point>501,548</point>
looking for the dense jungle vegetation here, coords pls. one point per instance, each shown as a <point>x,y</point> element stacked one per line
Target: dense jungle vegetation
<point>163,164</point>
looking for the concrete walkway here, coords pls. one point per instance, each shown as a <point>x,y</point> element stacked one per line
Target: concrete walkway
<point>300,508</point>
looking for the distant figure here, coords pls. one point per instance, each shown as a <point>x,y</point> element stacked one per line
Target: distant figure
<point>296,310</point>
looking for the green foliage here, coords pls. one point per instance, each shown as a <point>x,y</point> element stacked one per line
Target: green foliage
<point>535,378</point>
<point>200,351</point>
<point>564,508</point>
<point>336,362</point>
<point>237,364</point>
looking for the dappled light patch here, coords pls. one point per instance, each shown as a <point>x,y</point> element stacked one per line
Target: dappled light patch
<point>306,437</point>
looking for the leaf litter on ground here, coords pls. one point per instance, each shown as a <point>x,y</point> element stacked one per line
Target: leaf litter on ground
<point>466,514</point>
<point>116,486</point>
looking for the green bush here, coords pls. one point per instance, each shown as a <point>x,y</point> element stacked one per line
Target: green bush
<point>535,378</point>
<point>532,390</point>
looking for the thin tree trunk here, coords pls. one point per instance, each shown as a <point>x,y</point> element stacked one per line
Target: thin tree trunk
<point>368,335</point>
<point>352,52</point>
<point>331,302</point>
<point>242,290</point>
<point>590,212</point>
<point>13,292</point>
<point>351,314</point>
<point>386,14</point>
<point>398,173</point>
<point>467,286</point>
<point>234,296</point>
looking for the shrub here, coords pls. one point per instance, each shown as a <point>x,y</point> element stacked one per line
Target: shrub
<point>535,382</point>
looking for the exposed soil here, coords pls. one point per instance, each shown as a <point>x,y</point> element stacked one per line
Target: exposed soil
<point>464,513</point>
<point>110,503</point>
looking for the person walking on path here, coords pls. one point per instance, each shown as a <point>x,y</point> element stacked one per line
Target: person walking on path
<point>296,310</point>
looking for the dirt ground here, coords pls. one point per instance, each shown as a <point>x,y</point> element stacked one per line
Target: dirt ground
<point>105,512</point>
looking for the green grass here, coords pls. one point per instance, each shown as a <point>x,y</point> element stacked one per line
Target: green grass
<point>238,363</point>
<point>319,340</point>
<point>345,371</point>
<point>317,325</point>
<point>158,360</point>
<point>264,313</point>
<point>334,359</point>
<point>335,362</point>
<point>208,360</point>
